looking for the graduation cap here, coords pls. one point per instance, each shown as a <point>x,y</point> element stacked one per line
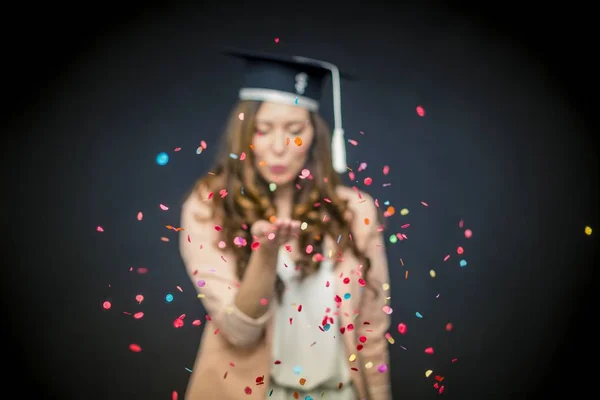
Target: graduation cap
<point>294,80</point>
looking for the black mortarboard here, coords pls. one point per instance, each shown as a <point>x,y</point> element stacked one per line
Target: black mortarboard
<point>294,80</point>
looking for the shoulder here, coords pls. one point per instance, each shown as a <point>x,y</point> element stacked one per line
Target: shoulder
<point>364,213</point>
<point>360,203</point>
<point>198,203</point>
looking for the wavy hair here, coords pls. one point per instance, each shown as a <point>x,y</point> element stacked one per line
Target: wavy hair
<point>249,199</point>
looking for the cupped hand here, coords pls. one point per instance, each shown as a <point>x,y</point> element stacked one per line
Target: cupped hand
<point>275,234</point>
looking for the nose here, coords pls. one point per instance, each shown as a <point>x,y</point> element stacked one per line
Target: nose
<point>278,144</point>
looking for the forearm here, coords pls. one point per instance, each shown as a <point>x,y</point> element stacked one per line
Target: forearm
<point>258,282</point>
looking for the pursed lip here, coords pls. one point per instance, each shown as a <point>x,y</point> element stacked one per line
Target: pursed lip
<point>277,169</point>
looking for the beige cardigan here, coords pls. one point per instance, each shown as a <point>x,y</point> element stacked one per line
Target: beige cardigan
<point>235,350</point>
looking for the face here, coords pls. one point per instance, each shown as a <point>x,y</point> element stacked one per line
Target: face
<point>281,144</point>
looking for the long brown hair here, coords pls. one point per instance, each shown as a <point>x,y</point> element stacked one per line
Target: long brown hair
<point>249,199</point>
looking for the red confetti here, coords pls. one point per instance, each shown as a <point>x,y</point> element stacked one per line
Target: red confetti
<point>106,305</point>
<point>248,390</point>
<point>368,181</point>
<point>460,250</point>
<point>138,315</point>
<point>420,111</point>
<point>429,350</point>
<point>449,326</point>
<point>135,348</point>
<point>174,395</point>
<point>402,328</point>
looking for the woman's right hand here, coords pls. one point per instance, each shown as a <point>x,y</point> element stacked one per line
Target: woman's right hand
<point>274,235</point>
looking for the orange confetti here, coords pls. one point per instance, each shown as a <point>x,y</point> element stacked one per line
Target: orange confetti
<point>298,141</point>
<point>406,275</point>
<point>367,221</point>
<point>302,381</point>
<point>262,163</point>
<point>164,239</point>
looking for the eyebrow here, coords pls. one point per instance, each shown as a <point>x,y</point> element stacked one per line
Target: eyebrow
<point>296,122</point>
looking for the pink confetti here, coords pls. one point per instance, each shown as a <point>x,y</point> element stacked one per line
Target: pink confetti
<point>138,315</point>
<point>382,368</point>
<point>368,181</point>
<point>196,322</point>
<point>163,207</point>
<point>461,223</point>
<point>353,142</point>
<point>140,216</point>
<point>100,229</point>
<point>386,170</point>
<point>429,350</point>
<point>139,298</point>
<point>178,323</point>
<point>174,395</point>
<point>106,305</point>
<point>420,111</point>
<point>309,249</point>
<point>276,41</point>
<point>136,348</point>
<point>447,257</point>
<point>242,156</point>
<point>177,149</point>
<point>218,228</point>
<point>255,245</point>
<point>468,233</point>
<point>425,204</point>
<point>203,145</point>
<point>264,302</point>
<point>449,326</point>
<point>460,250</point>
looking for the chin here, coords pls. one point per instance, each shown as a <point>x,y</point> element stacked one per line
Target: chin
<point>279,180</point>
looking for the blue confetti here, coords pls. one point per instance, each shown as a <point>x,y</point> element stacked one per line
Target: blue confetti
<point>308,398</point>
<point>297,370</point>
<point>339,238</point>
<point>296,101</point>
<point>326,327</point>
<point>162,158</point>
<point>418,314</point>
<point>169,297</point>
<point>463,263</point>
<point>347,296</point>
<point>234,156</point>
<point>387,203</point>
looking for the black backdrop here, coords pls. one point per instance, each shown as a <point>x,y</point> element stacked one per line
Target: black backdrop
<point>507,145</point>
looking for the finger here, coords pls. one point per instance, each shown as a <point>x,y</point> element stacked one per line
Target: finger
<point>284,231</point>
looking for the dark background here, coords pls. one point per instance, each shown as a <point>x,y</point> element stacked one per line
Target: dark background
<point>507,145</point>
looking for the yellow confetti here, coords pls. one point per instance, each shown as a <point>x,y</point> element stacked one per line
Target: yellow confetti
<point>304,226</point>
<point>200,295</point>
<point>369,365</point>
<point>352,357</point>
<point>428,372</point>
<point>588,230</point>
<point>404,211</point>
<point>386,286</point>
<point>432,273</point>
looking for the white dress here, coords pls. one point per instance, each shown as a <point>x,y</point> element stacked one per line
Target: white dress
<point>311,357</point>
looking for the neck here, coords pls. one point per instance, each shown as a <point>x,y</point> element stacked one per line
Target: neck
<point>284,197</point>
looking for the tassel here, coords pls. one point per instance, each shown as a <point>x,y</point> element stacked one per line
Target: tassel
<point>338,151</point>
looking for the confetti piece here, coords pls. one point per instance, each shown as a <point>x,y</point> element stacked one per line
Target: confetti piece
<point>162,158</point>
<point>382,368</point>
<point>169,297</point>
<point>177,149</point>
<point>428,373</point>
<point>404,211</point>
<point>588,230</point>
<point>302,381</point>
<point>386,169</point>
<point>241,116</point>
<point>368,181</point>
<point>138,315</point>
<point>425,204</point>
<point>163,207</point>
<point>174,395</point>
<point>352,357</point>
<point>272,187</point>
<point>468,233</point>
<point>420,111</point>
<point>106,305</point>
<point>402,328</point>
<point>463,263</point>
<point>136,348</point>
<point>385,286</point>
<point>298,141</point>
<point>447,257</point>
<point>432,273</point>
<point>387,309</point>
<point>264,302</point>
<point>242,158</point>
<point>460,250</point>
<point>418,314</point>
<point>429,350</point>
<point>201,283</point>
<point>449,326</point>
<point>139,298</point>
<point>276,40</point>
<point>99,228</point>
<point>248,390</point>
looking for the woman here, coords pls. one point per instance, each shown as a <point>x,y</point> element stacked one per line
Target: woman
<point>289,263</point>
